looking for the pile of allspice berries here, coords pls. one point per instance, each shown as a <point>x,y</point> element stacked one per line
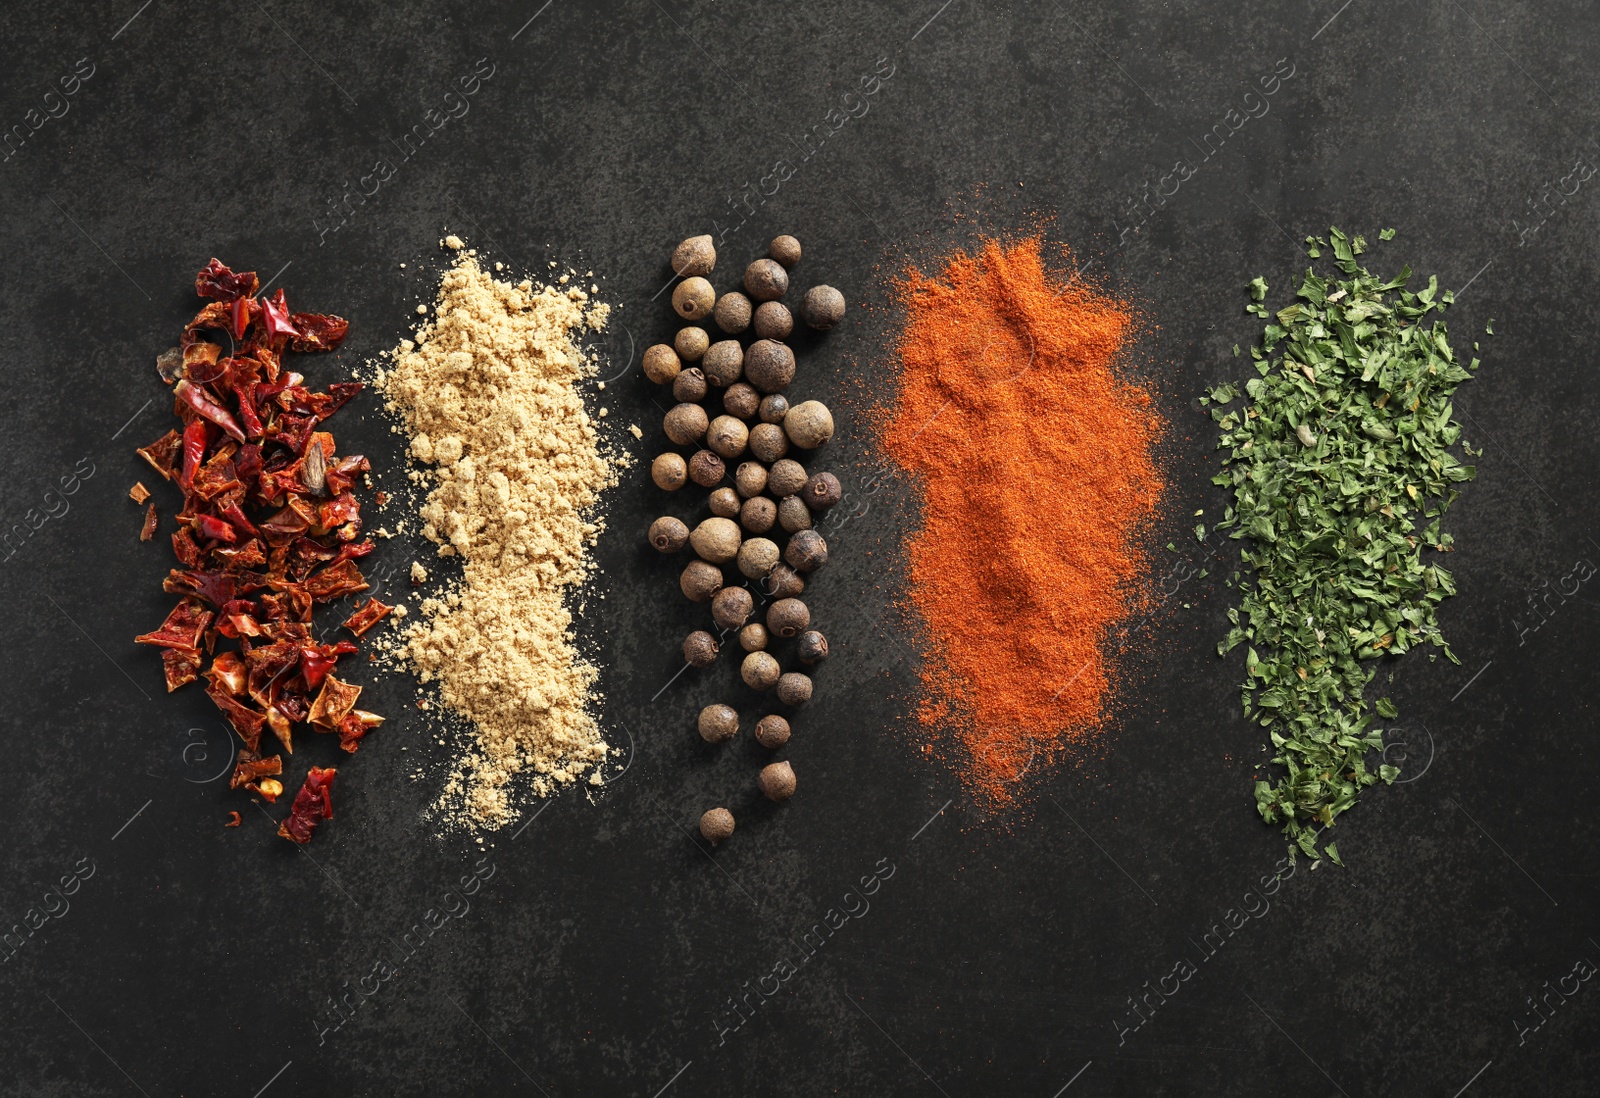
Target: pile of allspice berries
<point>761,523</point>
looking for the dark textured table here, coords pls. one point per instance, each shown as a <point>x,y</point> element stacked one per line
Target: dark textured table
<point>597,948</point>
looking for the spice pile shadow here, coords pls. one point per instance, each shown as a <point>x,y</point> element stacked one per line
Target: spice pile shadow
<point>1033,458</point>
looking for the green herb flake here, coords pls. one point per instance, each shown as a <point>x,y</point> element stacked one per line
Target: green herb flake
<point>1346,445</point>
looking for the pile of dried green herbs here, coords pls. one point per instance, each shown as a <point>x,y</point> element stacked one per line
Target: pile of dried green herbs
<point>1340,452</point>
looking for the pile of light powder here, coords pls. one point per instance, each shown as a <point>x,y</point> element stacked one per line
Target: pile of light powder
<point>488,393</point>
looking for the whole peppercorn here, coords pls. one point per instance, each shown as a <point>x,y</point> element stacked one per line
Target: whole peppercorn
<point>759,671</point>
<point>776,781</point>
<point>768,442</point>
<point>823,307</point>
<point>757,557</point>
<point>794,688</point>
<point>758,514</point>
<point>691,343</point>
<point>741,399</point>
<point>700,581</point>
<point>717,540</point>
<point>669,471</point>
<point>686,424</point>
<point>725,503</point>
<point>723,362</point>
<point>732,312</point>
<point>716,826</point>
<point>668,534</point>
<point>700,649</point>
<point>808,424</point>
<point>753,637</point>
<point>765,280</point>
<point>786,478</point>
<point>750,478</point>
<point>793,514</point>
<point>718,723</point>
<point>773,320</point>
<point>784,582</point>
<point>774,406</point>
<point>772,731</point>
<point>785,249</point>
<point>811,648</point>
<point>732,607</point>
<point>695,256</point>
<point>693,299</point>
<point>787,617</point>
<point>690,386</point>
<point>822,491</point>
<point>661,363</point>
<point>769,365</point>
<point>728,437</point>
<point>806,552</point>
<point>706,469</point>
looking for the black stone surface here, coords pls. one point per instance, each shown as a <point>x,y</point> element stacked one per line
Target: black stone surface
<point>1001,957</point>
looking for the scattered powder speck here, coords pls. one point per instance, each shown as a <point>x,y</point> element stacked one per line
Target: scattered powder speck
<point>488,393</point>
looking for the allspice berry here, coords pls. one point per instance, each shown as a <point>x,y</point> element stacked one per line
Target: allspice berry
<point>787,617</point>
<point>768,442</point>
<point>661,363</point>
<point>693,299</point>
<point>757,557</point>
<point>806,552</point>
<point>786,478</point>
<point>753,637</point>
<point>717,540</point>
<point>769,365</point>
<point>811,648</point>
<point>760,671</point>
<point>773,320</point>
<point>785,249</point>
<point>822,308</point>
<point>784,582</point>
<point>741,399</point>
<point>727,436</point>
<point>822,491</point>
<point>723,362</point>
<point>669,471</point>
<point>808,424</point>
<point>725,503</point>
<point>686,424</point>
<point>718,723</point>
<point>793,688</point>
<point>732,607</point>
<point>772,731</point>
<point>774,406</point>
<point>750,478</point>
<point>691,343</point>
<point>700,649</point>
<point>716,826</point>
<point>690,386</point>
<point>695,256</point>
<point>700,581</point>
<point>765,280</point>
<point>758,515</point>
<point>668,534</point>
<point>793,514</point>
<point>732,312</point>
<point>706,469</point>
<point>776,781</point>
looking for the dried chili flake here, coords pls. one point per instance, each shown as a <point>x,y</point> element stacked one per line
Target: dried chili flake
<point>234,819</point>
<point>366,617</point>
<point>182,629</point>
<point>251,767</point>
<point>181,666</point>
<point>336,699</point>
<point>336,581</point>
<point>275,318</point>
<point>215,280</point>
<point>138,493</point>
<point>148,530</point>
<point>312,805</point>
<point>354,725</point>
<point>318,332</point>
<point>162,454</point>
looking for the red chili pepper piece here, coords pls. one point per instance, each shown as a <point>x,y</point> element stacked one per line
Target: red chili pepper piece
<point>163,454</point>
<point>194,451</point>
<point>316,660</point>
<point>312,805</point>
<point>275,318</point>
<point>196,397</point>
<point>215,280</point>
<point>234,819</point>
<point>366,617</point>
<point>217,530</point>
<point>148,531</point>
<point>182,629</point>
<point>318,332</point>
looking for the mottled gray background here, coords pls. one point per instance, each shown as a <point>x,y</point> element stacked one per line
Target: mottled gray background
<point>1001,957</point>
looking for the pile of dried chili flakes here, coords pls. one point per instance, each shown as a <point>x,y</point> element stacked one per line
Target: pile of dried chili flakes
<point>269,529</point>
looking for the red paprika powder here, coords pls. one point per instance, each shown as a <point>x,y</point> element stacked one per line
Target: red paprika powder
<point>1033,458</point>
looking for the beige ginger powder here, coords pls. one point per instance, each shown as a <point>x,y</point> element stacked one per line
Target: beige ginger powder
<point>489,397</point>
